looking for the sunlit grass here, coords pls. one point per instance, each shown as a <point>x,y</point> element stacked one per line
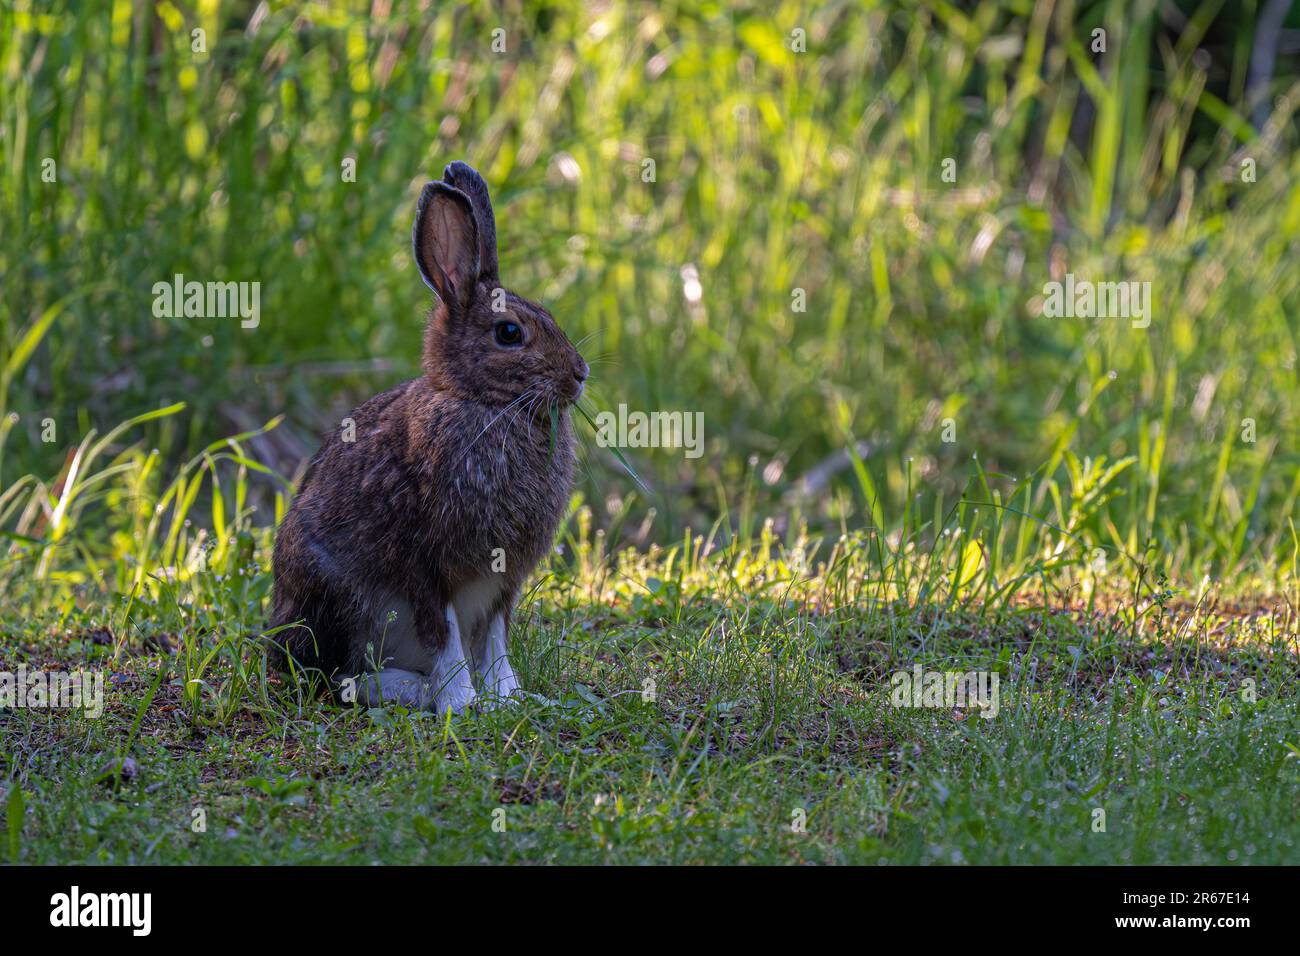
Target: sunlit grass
<point>684,703</point>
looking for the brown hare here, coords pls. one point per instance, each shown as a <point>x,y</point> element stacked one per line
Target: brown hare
<point>401,559</point>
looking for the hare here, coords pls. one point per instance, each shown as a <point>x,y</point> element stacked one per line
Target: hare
<point>401,559</point>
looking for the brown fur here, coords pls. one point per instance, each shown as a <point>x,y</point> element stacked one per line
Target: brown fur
<point>444,469</point>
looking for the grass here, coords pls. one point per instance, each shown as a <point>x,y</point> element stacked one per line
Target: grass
<point>692,703</point>
<point>775,171</point>
<point>761,710</point>
<point>905,462</point>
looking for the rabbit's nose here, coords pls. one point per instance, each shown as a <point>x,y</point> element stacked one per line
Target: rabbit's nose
<point>580,371</point>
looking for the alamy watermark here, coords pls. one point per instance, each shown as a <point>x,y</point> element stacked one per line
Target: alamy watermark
<point>1085,299</point>
<point>208,300</point>
<point>75,908</point>
<point>52,690</point>
<point>946,690</point>
<point>651,430</point>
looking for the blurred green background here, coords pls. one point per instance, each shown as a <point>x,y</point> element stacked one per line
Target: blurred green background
<point>795,146</point>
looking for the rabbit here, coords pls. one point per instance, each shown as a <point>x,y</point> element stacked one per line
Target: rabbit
<point>397,567</point>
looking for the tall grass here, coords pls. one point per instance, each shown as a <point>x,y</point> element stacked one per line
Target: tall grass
<point>774,170</point>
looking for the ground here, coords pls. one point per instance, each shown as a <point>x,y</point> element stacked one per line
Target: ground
<point>689,707</point>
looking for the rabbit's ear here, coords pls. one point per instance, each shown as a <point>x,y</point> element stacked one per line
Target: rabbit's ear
<point>467,180</point>
<point>445,241</point>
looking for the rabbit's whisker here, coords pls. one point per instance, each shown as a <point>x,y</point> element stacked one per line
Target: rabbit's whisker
<point>494,420</point>
<point>528,412</point>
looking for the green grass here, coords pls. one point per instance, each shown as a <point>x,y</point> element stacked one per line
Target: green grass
<point>762,707</point>
<point>1105,531</point>
<point>685,705</point>
<point>775,171</point>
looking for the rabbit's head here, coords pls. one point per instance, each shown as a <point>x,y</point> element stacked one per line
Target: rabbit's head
<point>484,343</point>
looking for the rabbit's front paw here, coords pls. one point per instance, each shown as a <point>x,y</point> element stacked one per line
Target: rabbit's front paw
<point>500,683</point>
<point>453,685</point>
<point>499,680</point>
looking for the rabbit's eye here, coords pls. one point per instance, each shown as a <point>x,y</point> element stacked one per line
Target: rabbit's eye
<point>509,334</point>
